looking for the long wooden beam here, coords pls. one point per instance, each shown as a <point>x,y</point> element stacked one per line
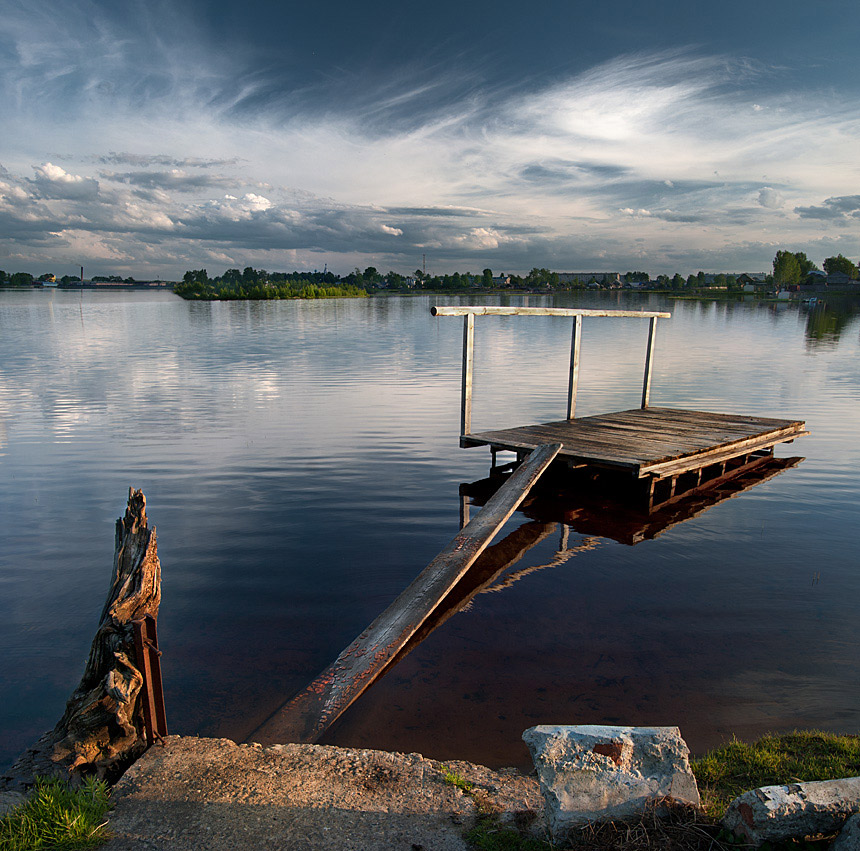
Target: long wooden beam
<point>306,717</point>
<point>492,310</point>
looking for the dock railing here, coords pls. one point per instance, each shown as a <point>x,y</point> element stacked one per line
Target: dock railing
<point>470,312</point>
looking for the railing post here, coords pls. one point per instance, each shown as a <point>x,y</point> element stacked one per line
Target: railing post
<point>649,361</point>
<point>468,359</point>
<point>574,366</point>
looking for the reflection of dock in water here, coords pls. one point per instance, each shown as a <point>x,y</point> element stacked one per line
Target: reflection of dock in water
<point>661,453</point>
<point>596,513</point>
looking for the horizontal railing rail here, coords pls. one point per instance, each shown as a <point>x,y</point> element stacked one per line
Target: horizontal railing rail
<point>466,310</point>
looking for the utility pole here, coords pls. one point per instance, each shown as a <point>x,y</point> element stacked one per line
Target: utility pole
<point>424,265</point>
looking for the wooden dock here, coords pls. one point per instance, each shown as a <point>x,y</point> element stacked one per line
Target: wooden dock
<point>666,452</point>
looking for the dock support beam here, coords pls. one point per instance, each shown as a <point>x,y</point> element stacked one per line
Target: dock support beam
<point>468,363</point>
<point>575,341</point>
<point>649,361</point>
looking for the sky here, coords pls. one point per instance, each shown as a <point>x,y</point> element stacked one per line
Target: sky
<point>146,138</point>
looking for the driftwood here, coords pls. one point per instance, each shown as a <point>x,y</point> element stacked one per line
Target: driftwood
<point>102,729</point>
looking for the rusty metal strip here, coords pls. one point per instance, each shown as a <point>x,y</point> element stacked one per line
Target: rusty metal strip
<point>152,691</point>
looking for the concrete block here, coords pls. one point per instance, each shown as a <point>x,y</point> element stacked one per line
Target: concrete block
<point>775,813</point>
<point>849,836</point>
<point>590,773</point>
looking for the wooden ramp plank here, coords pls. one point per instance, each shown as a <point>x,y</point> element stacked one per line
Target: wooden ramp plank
<point>306,717</point>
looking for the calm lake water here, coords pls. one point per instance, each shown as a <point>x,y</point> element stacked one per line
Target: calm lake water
<point>301,464</point>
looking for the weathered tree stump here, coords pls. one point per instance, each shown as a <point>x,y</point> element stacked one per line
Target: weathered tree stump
<point>102,729</point>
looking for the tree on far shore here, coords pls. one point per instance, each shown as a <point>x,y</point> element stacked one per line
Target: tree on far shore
<point>840,264</point>
<point>786,269</point>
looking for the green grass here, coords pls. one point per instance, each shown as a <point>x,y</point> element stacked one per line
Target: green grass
<point>57,817</point>
<point>454,779</point>
<point>489,835</point>
<point>734,768</point>
<point>722,775</point>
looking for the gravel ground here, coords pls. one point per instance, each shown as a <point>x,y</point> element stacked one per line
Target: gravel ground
<point>213,794</point>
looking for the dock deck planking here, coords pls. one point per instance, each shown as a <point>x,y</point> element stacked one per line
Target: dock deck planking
<point>647,441</point>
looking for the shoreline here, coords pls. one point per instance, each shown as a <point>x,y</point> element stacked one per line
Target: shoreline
<point>191,793</point>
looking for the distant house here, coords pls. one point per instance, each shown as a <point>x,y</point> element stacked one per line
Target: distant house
<point>838,278</point>
<point>752,281</point>
<point>759,278</point>
<point>501,280</point>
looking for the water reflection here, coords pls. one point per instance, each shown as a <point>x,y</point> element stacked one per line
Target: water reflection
<point>302,466</point>
<point>558,505</point>
<point>602,514</point>
<point>827,319</point>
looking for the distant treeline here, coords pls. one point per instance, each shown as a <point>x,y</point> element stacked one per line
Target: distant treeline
<point>260,284</point>
<point>789,269</point>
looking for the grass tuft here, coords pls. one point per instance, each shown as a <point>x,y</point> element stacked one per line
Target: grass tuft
<point>734,768</point>
<point>489,835</point>
<point>454,779</point>
<point>55,816</point>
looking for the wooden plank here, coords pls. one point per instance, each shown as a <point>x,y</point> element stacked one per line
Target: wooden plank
<point>575,342</point>
<point>679,430</point>
<point>653,442</point>
<point>493,562</point>
<point>719,453</point>
<point>686,415</point>
<point>488,310</point>
<point>534,436</point>
<point>514,442</point>
<point>649,361</point>
<point>607,442</point>
<point>306,717</point>
<point>680,421</point>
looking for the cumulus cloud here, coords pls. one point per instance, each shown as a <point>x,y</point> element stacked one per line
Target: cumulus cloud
<point>52,181</point>
<point>771,199</point>
<point>484,238</point>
